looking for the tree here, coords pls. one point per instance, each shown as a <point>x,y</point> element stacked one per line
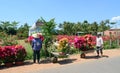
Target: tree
<point>9,28</point>
<point>47,31</point>
<point>22,31</point>
<point>67,28</point>
<point>76,28</point>
<point>94,28</point>
<point>103,26</point>
<point>85,26</point>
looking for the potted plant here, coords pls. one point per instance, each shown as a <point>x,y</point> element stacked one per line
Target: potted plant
<point>9,55</point>
<point>20,54</point>
<point>79,42</point>
<point>63,47</point>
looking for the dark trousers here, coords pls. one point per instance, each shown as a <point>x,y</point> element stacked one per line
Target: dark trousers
<point>36,54</point>
<point>99,50</point>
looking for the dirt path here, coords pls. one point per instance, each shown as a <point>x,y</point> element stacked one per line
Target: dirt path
<point>29,66</point>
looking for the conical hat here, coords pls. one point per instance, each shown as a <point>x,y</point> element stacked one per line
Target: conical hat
<point>35,35</point>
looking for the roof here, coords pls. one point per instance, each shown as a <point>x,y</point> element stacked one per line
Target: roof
<point>114,30</point>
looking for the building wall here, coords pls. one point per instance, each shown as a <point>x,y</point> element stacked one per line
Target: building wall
<point>112,32</point>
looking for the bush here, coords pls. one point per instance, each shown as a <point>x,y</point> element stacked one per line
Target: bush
<point>9,54</point>
<point>20,53</point>
<point>1,55</point>
<point>9,41</point>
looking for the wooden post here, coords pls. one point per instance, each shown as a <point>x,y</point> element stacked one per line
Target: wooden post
<point>110,39</point>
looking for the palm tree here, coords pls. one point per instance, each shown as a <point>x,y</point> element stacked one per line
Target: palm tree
<point>94,28</point>
<point>67,28</point>
<point>103,26</point>
<point>85,26</point>
<point>76,27</point>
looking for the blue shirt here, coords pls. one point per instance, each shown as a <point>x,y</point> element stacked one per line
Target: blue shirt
<point>36,44</point>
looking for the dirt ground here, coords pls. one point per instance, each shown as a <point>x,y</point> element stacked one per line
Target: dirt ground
<point>29,66</point>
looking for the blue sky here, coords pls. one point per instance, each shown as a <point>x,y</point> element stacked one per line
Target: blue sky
<point>62,10</point>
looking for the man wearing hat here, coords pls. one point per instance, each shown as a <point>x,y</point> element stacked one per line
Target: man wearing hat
<point>36,46</point>
<point>99,44</point>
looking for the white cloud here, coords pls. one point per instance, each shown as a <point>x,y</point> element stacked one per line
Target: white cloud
<point>115,19</point>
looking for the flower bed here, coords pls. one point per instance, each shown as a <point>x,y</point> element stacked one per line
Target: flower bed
<point>86,42</point>
<point>10,54</point>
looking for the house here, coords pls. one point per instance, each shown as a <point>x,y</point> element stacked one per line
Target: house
<point>115,32</point>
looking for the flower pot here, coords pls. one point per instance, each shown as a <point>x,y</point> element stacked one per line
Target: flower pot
<point>8,64</point>
<point>19,63</point>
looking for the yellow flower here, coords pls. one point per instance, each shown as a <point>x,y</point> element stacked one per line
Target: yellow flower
<point>62,43</point>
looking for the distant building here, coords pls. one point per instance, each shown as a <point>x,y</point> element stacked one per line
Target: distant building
<point>115,32</point>
<point>35,28</point>
<point>80,33</point>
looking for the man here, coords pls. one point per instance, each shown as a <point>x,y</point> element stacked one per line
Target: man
<point>99,45</point>
<point>36,46</point>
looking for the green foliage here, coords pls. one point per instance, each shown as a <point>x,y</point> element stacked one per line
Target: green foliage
<point>69,28</point>
<point>22,31</point>
<point>9,40</point>
<point>113,45</point>
<point>47,30</point>
<point>9,28</point>
<point>28,49</point>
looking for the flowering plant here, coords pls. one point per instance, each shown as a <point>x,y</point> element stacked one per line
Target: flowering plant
<point>20,53</point>
<point>1,54</point>
<point>79,42</point>
<point>90,41</point>
<point>63,45</point>
<point>70,38</point>
<point>85,43</point>
<point>8,54</point>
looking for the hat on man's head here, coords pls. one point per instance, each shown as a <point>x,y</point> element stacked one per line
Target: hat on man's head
<point>35,35</point>
<point>98,34</point>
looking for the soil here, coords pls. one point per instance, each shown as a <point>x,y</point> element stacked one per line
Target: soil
<point>45,64</point>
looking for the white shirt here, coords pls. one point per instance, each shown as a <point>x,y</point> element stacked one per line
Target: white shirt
<point>99,41</point>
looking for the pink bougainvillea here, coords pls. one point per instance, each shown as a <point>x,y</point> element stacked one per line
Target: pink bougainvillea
<point>30,38</point>
<point>12,53</point>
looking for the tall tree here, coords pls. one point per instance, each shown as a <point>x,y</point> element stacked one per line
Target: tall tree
<point>76,28</point>
<point>47,30</point>
<point>85,26</point>
<point>94,28</point>
<point>23,30</point>
<point>9,27</point>
<point>103,26</point>
<point>67,28</point>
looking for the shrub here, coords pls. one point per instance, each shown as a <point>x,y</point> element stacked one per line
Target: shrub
<point>9,41</point>
<point>20,53</point>
<point>1,55</point>
<point>9,54</point>
<point>85,43</point>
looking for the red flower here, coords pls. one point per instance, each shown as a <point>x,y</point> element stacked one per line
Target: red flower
<point>1,53</point>
<point>30,38</point>
<point>20,53</point>
<point>79,42</point>
<point>9,54</point>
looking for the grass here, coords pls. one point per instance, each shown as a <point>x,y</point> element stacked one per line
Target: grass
<point>28,49</point>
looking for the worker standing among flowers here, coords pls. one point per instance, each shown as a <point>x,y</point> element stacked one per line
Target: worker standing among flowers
<point>99,45</point>
<point>36,46</point>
